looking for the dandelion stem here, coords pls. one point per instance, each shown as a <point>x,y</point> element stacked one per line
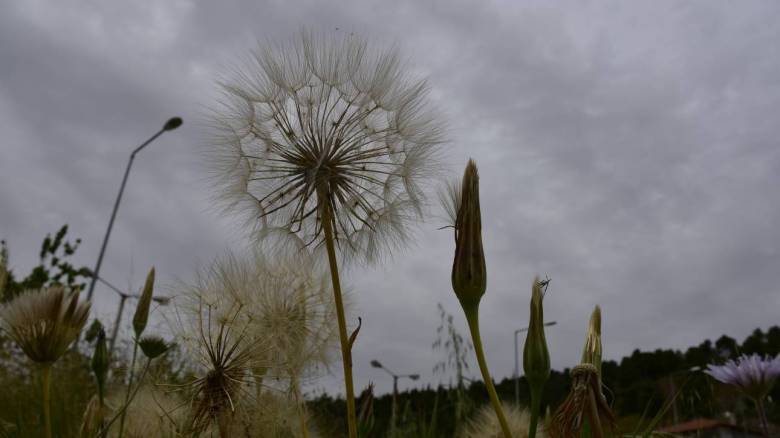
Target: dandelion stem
<point>472,317</point>
<point>346,353</point>
<point>46,380</point>
<point>129,386</point>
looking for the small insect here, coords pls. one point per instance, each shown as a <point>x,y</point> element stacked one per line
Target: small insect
<point>546,282</point>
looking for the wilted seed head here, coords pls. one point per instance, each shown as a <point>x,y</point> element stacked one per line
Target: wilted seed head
<point>325,122</point>
<point>585,400</point>
<point>592,352</point>
<point>153,346</point>
<point>100,361</point>
<point>469,273</point>
<point>536,357</point>
<point>141,316</point>
<point>44,322</point>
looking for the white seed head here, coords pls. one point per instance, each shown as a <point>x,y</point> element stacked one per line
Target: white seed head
<point>325,121</point>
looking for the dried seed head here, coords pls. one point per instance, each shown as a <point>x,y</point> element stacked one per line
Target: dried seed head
<point>585,400</point>
<point>469,273</point>
<point>44,322</point>
<point>141,316</point>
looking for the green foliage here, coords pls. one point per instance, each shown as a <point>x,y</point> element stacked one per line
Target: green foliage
<point>53,268</point>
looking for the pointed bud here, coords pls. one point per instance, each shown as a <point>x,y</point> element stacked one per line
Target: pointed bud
<point>100,361</point>
<point>592,352</point>
<point>141,316</point>
<point>536,357</point>
<point>469,274</point>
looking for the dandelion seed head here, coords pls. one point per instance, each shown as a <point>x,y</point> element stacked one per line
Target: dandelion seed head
<point>319,122</point>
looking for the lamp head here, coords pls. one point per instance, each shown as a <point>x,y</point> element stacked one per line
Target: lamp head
<point>376,364</point>
<point>414,376</point>
<point>172,124</point>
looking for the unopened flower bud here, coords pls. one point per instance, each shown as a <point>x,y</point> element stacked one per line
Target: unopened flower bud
<point>100,360</point>
<point>592,352</point>
<point>141,316</point>
<point>536,357</point>
<point>469,274</point>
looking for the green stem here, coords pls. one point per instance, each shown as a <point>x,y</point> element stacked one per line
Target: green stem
<point>536,404</point>
<point>346,353</point>
<point>46,380</point>
<point>472,316</point>
<point>129,385</point>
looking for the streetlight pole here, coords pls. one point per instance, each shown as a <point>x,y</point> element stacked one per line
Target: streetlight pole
<point>393,414</point>
<point>517,362</point>
<point>170,125</point>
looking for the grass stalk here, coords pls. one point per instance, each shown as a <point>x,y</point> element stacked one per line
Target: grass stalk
<point>472,317</point>
<point>46,381</point>
<point>346,353</point>
<point>762,415</point>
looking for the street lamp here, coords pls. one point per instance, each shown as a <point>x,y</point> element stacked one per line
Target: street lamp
<point>122,297</point>
<point>517,361</point>
<point>170,125</point>
<point>377,364</point>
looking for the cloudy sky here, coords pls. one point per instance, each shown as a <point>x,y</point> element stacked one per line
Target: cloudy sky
<point>629,151</point>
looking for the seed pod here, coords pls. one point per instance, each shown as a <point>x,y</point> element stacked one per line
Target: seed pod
<point>141,316</point>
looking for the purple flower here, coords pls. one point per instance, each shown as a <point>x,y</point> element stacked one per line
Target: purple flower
<point>753,375</point>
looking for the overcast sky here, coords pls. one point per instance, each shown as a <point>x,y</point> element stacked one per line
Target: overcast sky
<point>629,151</point>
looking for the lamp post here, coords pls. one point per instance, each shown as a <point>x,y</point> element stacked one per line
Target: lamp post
<point>170,125</point>
<point>122,297</point>
<point>517,361</point>
<point>377,364</point>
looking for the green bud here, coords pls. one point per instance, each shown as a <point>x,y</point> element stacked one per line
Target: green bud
<point>153,346</point>
<point>141,316</point>
<point>536,357</point>
<point>100,360</point>
<point>469,273</point>
<point>592,352</point>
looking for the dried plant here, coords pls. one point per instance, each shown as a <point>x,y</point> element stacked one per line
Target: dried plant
<point>44,323</point>
<point>322,142</point>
